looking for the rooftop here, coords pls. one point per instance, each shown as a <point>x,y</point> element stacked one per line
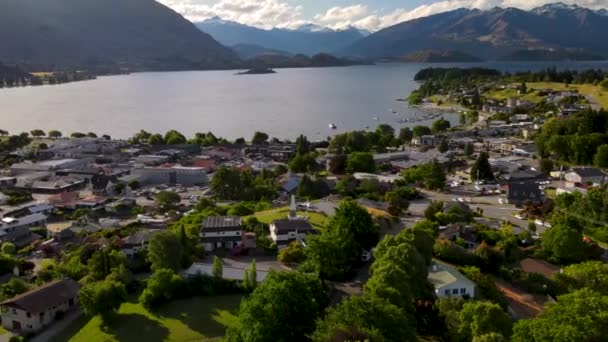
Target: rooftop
<point>588,172</point>
<point>222,222</point>
<point>442,274</point>
<point>45,296</point>
<point>286,225</point>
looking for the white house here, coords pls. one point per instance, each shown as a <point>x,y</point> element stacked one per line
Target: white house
<point>584,175</point>
<point>35,309</point>
<point>221,232</point>
<point>448,282</point>
<point>285,231</point>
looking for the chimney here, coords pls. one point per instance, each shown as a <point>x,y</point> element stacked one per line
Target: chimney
<point>292,208</point>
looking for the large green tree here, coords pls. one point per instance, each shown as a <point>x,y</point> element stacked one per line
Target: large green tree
<point>162,286</point>
<point>440,126</point>
<point>360,162</point>
<point>103,297</point>
<point>430,176</point>
<point>477,319</point>
<point>481,169</point>
<point>591,274</point>
<point>578,316</point>
<point>365,318</point>
<point>282,308</point>
<point>165,251</point>
<point>174,137</point>
<point>564,244</point>
<point>167,200</point>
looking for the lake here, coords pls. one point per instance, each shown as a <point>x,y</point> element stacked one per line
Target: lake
<point>284,105</point>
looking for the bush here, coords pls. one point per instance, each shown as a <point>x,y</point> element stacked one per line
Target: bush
<point>163,286</point>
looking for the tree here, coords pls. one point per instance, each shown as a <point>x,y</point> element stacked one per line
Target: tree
<point>578,316</point>
<point>469,149</point>
<point>102,262</point>
<point>360,162</point>
<point>37,133</point>
<point>282,308</point>
<point>604,84</point>
<point>591,274</point>
<point>91,135</point>
<point>441,125</point>
<point>406,135</point>
<point>161,287</point>
<point>3,132</point>
<point>419,131</point>
<point>174,137</point>
<point>292,254</point>
<point>430,176</point>
<point>102,298</point>
<point>156,140</point>
<point>443,146</point>
<point>312,188</point>
<point>8,248</point>
<point>355,219</point>
<point>54,134</point>
<point>303,146</point>
<point>396,203</point>
<point>226,183</point>
<point>78,135</point>
<point>481,169</point>
<point>562,243</point>
<point>601,157</point>
<point>337,164</point>
<point>481,318</point>
<point>165,251</point>
<point>365,318</point>
<point>251,276</point>
<point>259,138</point>
<point>167,200</point>
<point>546,166</point>
<point>218,267</point>
<point>302,163</point>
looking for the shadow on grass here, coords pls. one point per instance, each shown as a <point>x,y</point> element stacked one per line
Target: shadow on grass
<point>72,329</point>
<point>135,327</point>
<point>209,316</point>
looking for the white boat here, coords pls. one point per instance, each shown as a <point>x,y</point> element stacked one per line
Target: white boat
<point>333,126</point>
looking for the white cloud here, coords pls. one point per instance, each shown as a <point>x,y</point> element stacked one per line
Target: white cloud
<point>260,13</point>
<point>276,13</point>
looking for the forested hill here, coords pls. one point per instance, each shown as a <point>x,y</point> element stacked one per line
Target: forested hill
<point>140,34</point>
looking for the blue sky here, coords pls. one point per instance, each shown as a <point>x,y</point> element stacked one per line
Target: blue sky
<point>366,14</point>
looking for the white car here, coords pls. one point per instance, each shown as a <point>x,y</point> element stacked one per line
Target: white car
<point>519,217</point>
<point>539,223</point>
<point>501,201</point>
<point>460,199</point>
<point>468,200</point>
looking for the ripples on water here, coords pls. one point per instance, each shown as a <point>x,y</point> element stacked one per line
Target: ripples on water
<point>286,104</point>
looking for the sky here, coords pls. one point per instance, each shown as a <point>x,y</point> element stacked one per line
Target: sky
<point>371,15</point>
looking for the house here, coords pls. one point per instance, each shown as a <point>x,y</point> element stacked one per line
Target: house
<point>138,241</point>
<point>151,159</point>
<point>17,230</point>
<point>221,232</point>
<point>526,175</point>
<point>585,175</point>
<point>448,282</point>
<point>425,140</point>
<point>520,193</point>
<point>172,175</point>
<point>228,272</point>
<point>285,231</point>
<point>31,311</point>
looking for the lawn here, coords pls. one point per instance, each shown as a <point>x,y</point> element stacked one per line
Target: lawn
<point>504,94</point>
<point>195,319</point>
<point>316,219</point>
<point>598,94</point>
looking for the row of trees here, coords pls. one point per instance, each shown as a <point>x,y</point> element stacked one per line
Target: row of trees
<point>580,139</point>
<point>237,185</point>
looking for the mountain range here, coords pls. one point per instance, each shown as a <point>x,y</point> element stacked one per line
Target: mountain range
<point>566,31</point>
<point>143,34</point>
<point>308,39</point>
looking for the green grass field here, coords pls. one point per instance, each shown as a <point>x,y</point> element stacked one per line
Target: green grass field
<point>512,93</point>
<point>317,220</point>
<point>600,95</point>
<point>195,319</point>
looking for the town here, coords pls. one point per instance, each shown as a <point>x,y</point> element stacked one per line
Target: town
<point>464,233</point>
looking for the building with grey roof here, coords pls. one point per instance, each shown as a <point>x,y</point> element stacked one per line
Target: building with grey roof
<point>448,282</point>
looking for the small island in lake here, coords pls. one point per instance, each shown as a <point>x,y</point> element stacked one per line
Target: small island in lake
<point>258,71</point>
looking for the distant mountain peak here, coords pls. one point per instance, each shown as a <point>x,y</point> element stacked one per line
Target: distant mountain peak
<point>556,6</point>
<point>313,28</point>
